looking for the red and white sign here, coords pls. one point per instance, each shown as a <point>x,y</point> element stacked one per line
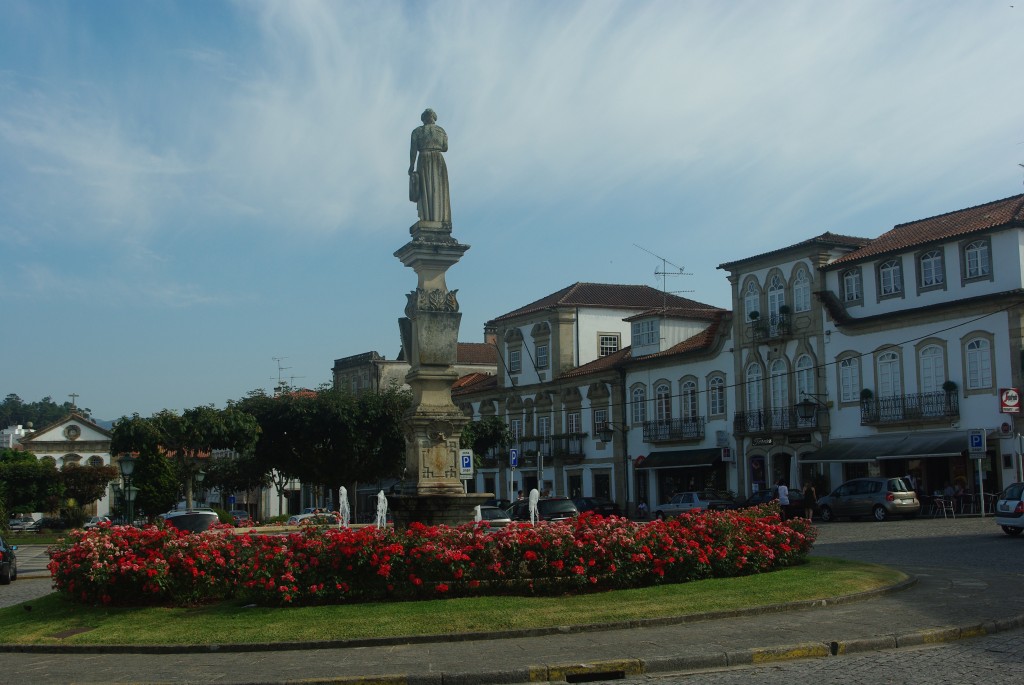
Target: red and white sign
<point>1009,401</point>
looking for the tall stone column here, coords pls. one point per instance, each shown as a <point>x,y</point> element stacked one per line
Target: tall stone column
<point>432,491</point>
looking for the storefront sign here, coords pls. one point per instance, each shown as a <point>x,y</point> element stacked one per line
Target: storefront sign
<point>762,442</point>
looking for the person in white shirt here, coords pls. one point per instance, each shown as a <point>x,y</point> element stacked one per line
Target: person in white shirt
<point>783,497</point>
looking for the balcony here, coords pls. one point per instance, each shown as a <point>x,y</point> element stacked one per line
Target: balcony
<point>674,430</point>
<point>773,327</point>
<point>780,420</point>
<point>929,407</point>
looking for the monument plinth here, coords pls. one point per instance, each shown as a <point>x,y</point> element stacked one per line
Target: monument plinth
<point>432,492</point>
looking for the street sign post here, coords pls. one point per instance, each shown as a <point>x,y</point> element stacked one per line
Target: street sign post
<point>977,445</point>
<point>513,462</point>
<point>466,464</point>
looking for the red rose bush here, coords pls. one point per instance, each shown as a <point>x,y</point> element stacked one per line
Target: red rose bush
<point>161,566</point>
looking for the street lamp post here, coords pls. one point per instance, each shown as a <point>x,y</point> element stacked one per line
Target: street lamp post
<point>127,467</point>
<point>200,476</point>
<point>607,434</point>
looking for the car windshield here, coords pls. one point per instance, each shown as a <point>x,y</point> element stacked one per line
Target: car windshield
<point>556,506</point>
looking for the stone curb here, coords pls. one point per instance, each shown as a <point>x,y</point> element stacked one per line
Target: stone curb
<point>462,637</point>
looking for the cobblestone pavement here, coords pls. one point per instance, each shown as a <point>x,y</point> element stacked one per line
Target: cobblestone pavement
<point>33,578</point>
<point>994,659</point>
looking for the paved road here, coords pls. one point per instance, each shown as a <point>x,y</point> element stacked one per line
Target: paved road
<point>969,575</point>
<point>995,660</point>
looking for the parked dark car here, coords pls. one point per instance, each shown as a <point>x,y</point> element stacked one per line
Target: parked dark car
<point>879,498</point>
<point>795,508</point>
<point>548,509</point>
<point>498,502</point>
<point>192,521</point>
<point>597,505</point>
<point>8,562</point>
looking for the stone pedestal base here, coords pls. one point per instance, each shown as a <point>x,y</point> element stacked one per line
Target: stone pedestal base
<point>434,510</point>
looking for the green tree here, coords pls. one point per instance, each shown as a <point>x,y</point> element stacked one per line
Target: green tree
<point>84,485</point>
<point>32,484</point>
<point>14,411</point>
<point>483,435</point>
<point>186,438</point>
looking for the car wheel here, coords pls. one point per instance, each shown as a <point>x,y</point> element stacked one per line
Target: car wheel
<point>879,512</point>
<point>826,514</point>
<point>5,576</point>
<point>1012,530</point>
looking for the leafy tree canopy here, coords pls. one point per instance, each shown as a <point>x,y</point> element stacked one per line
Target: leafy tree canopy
<point>14,411</point>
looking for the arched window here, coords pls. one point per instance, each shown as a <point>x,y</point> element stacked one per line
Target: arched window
<point>754,389</point>
<point>776,296</point>
<point>95,460</point>
<point>979,364</point>
<point>639,405</point>
<point>663,402</point>
<point>931,269</point>
<point>751,300</point>
<point>780,393</point>
<point>976,259</point>
<point>933,369</point>
<point>716,396</point>
<point>804,377</point>
<point>689,400</point>
<point>849,380</point>
<point>890,278</point>
<point>889,374</point>
<point>802,292</point>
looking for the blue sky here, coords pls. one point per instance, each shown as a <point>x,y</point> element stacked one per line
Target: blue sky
<point>190,189</point>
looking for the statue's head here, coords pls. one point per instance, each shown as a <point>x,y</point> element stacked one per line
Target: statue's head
<point>429,116</point>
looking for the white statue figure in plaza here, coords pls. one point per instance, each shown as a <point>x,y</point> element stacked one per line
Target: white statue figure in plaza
<point>428,174</point>
<point>344,509</point>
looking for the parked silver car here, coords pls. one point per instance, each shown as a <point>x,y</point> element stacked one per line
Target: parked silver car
<point>879,498</point>
<point>1010,509</point>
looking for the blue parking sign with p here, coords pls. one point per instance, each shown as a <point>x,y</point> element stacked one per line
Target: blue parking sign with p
<point>466,463</point>
<point>513,457</point>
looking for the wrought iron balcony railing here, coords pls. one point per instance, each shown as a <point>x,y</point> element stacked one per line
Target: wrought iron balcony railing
<point>916,408</point>
<point>780,420</point>
<point>674,430</point>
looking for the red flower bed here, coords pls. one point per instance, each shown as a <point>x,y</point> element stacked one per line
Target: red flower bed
<point>130,566</point>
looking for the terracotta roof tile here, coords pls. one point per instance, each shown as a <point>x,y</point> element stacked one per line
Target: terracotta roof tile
<point>1007,212</point>
<point>477,353</point>
<point>700,341</point>
<point>474,382</point>
<point>600,364</point>
<point>611,296</point>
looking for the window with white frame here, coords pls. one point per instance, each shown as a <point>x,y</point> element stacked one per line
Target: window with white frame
<point>779,381</point>
<point>804,376</point>
<point>890,278</point>
<point>932,273</point>
<point>515,429</point>
<point>639,405</point>
<point>716,396</point>
<point>853,289</point>
<point>976,259</point>
<point>776,297</point>
<point>542,356</point>
<point>754,388</point>
<point>849,380</point>
<point>802,292</point>
<point>979,364</point>
<point>573,423</point>
<point>889,384</point>
<point>663,402</point>
<point>608,343</point>
<point>688,397</point>
<point>600,420</point>
<point>933,368</point>
<point>751,300</point>
<point>515,361</point>
<point>544,433</point>
<point>645,332</point>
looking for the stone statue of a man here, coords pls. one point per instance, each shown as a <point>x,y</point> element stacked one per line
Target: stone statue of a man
<point>428,174</point>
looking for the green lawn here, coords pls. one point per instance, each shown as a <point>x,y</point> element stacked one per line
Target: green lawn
<point>51,618</point>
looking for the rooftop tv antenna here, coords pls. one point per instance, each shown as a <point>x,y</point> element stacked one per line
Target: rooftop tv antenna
<point>280,381</point>
<point>664,273</point>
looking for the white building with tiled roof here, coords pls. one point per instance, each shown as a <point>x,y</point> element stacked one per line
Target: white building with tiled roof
<point>924,329</point>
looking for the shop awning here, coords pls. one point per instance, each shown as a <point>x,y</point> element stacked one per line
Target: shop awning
<point>681,459</point>
<point>896,446</point>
